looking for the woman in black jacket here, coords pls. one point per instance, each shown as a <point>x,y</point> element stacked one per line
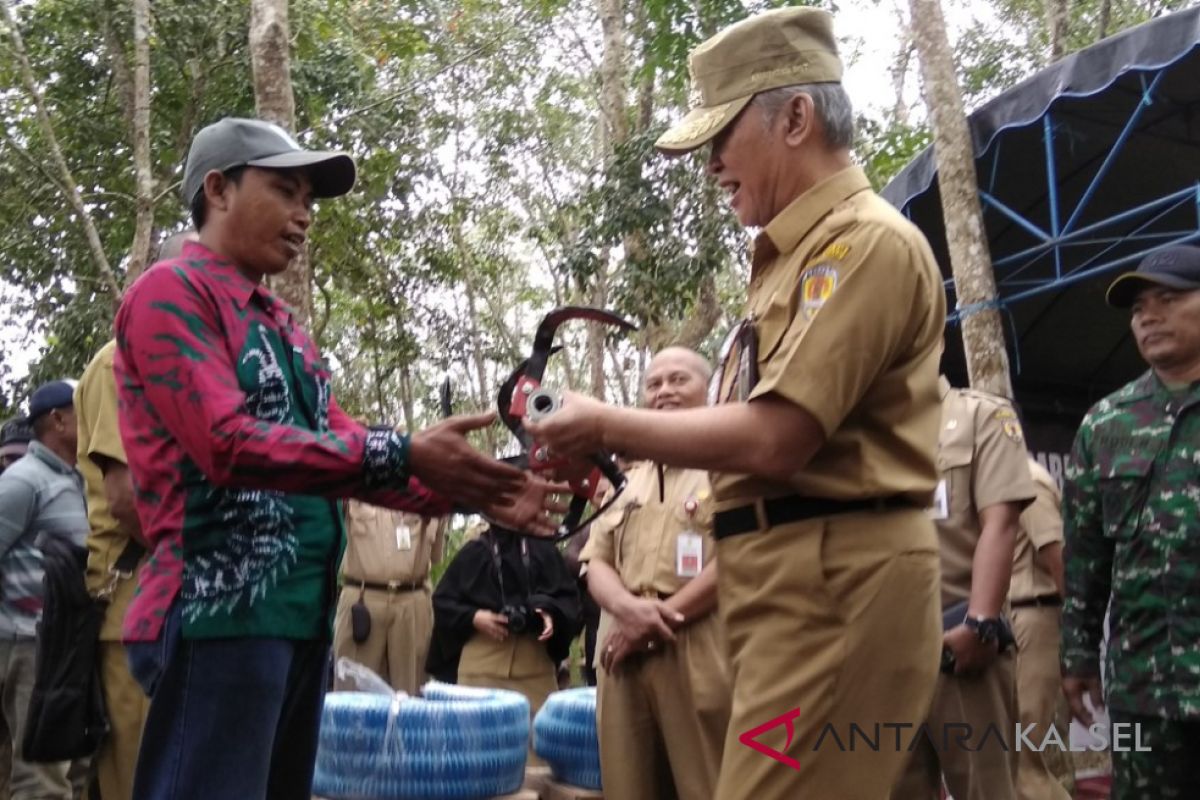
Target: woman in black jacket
<point>505,614</point>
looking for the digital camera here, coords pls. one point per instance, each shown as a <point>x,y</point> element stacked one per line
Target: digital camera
<point>523,619</point>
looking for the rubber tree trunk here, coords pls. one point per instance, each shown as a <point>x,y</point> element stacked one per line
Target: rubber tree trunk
<point>270,60</point>
<point>975,284</point>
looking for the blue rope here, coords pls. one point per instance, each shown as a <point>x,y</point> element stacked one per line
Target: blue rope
<point>974,308</point>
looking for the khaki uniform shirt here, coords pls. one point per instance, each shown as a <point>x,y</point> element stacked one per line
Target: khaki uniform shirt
<point>643,538</point>
<point>849,307</point>
<point>1041,525</point>
<point>99,436</point>
<point>385,546</point>
<point>982,461</point>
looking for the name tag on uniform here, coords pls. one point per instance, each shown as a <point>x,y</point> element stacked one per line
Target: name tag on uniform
<point>403,537</point>
<point>941,502</point>
<point>689,554</point>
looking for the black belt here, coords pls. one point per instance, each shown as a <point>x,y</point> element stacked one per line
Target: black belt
<point>1047,600</point>
<point>390,586</point>
<point>794,508</point>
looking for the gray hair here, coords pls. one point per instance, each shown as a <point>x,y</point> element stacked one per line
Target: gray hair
<point>830,101</point>
<point>172,246</point>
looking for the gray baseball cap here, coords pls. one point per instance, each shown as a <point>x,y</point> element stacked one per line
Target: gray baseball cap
<point>234,142</point>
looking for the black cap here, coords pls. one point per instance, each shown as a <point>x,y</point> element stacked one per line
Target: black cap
<point>15,436</point>
<point>1175,267</point>
<point>234,142</point>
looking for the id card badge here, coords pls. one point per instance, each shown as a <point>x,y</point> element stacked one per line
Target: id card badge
<point>403,537</point>
<point>940,509</point>
<point>689,554</point>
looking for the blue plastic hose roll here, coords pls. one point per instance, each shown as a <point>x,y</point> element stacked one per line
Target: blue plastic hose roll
<point>454,743</point>
<point>564,735</point>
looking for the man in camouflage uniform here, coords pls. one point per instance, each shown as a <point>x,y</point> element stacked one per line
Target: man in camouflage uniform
<point>1132,517</point>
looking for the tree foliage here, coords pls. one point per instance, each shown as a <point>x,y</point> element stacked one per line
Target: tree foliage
<point>489,189</point>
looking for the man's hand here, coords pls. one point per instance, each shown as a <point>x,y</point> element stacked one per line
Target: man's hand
<point>643,620</point>
<point>547,625</point>
<point>1075,687</point>
<point>534,510</point>
<point>971,656</point>
<point>446,463</point>
<point>617,648</point>
<point>491,624</point>
<point>576,429</point>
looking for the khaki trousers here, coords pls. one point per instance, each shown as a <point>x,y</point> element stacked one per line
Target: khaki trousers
<point>401,626</point>
<point>662,719</point>
<point>519,663</point>
<point>836,618</point>
<point>127,706</point>
<point>28,781</point>
<point>1039,689</point>
<point>985,768</point>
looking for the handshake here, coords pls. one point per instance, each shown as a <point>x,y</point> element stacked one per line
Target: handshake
<point>556,440</point>
<point>445,462</point>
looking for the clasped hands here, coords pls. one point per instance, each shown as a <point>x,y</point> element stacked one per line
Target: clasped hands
<point>640,625</point>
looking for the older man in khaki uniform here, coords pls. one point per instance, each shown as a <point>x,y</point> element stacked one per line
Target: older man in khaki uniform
<point>1035,595</point>
<point>385,572</point>
<point>985,484</point>
<point>822,443</point>
<point>663,706</point>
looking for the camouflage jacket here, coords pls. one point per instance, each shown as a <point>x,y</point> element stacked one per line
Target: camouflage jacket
<point>1131,510</point>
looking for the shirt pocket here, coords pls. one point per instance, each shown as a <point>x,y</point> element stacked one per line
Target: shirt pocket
<point>954,466</point>
<point>624,545</point>
<point>772,325</point>
<point>698,520</point>
<point>1124,484</point>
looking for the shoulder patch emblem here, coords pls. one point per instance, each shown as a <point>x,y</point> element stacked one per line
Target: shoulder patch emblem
<point>816,285</point>
<point>1010,424</point>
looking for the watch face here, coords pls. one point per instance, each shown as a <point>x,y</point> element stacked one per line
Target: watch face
<point>988,630</point>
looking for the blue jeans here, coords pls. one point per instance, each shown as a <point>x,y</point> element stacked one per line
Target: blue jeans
<point>230,719</point>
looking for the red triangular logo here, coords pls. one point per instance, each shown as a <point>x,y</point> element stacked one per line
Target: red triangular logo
<point>749,738</point>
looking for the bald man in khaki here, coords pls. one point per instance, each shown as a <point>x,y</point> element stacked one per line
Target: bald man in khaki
<point>663,702</point>
<point>1035,595</point>
<point>985,484</point>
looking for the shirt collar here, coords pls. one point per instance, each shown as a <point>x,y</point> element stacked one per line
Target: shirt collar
<point>943,386</point>
<point>791,225</point>
<point>1150,385</point>
<point>226,274</point>
<point>49,458</point>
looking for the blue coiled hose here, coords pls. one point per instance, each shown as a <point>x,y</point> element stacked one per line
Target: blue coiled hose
<point>564,735</point>
<point>454,743</point>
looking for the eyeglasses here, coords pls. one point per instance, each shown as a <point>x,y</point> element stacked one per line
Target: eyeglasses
<point>740,346</point>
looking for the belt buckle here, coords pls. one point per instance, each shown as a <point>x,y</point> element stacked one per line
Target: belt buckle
<point>761,517</point>
<point>393,586</point>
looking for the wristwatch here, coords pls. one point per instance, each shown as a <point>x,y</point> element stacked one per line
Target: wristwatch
<point>986,628</point>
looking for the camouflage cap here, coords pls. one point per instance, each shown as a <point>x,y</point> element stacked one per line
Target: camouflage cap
<point>783,47</point>
<point>1175,267</point>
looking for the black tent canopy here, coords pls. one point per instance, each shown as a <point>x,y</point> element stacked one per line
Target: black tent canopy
<point>1083,169</point>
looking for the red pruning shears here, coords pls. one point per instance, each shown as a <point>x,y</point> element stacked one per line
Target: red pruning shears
<point>522,396</point>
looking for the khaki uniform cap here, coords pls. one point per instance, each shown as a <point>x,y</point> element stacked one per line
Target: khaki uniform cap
<point>784,47</point>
